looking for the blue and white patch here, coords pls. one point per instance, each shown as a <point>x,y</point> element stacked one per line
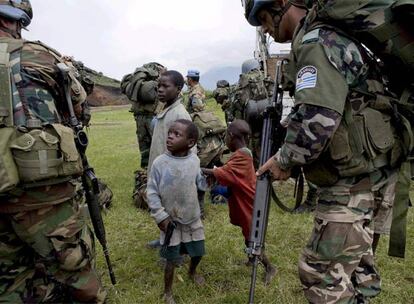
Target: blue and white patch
<point>306,78</point>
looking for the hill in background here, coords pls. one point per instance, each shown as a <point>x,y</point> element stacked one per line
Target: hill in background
<point>209,79</point>
<point>107,90</point>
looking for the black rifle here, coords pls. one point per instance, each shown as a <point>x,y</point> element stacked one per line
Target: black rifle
<point>89,180</point>
<point>272,138</point>
<point>168,234</point>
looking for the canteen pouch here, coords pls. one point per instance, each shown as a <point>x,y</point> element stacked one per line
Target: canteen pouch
<point>72,161</point>
<point>46,153</point>
<point>9,176</point>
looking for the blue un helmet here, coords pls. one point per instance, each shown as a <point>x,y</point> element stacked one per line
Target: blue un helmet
<point>252,7</point>
<point>193,73</point>
<point>17,10</point>
<point>250,65</point>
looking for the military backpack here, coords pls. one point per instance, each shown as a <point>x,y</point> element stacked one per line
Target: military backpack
<point>35,147</point>
<point>141,86</point>
<point>211,129</point>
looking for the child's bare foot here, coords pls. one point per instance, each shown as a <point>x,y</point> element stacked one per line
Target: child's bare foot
<point>198,279</point>
<point>168,298</point>
<point>270,274</point>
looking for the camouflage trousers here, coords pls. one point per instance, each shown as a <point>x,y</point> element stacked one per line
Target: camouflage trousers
<point>337,264</point>
<point>47,255</point>
<point>143,123</point>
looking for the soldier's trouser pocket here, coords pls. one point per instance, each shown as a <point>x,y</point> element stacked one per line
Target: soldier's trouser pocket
<point>73,243</point>
<point>337,240</point>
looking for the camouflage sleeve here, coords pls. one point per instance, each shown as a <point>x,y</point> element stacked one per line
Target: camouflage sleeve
<point>308,133</point>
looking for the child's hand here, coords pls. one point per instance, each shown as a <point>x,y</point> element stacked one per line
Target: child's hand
<point>207,171</point>
<point>164,224</point>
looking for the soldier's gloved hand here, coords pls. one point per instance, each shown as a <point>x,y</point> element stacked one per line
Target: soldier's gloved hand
<point>164,224</point>
<point>275,171</point>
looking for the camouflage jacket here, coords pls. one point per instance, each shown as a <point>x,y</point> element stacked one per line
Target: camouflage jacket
<point>196,97</point>
<point>329,71</point>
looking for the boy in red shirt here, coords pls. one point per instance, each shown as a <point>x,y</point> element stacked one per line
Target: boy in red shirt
<point>238,174</point>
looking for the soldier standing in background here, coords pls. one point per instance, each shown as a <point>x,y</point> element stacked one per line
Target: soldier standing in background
<point>141,89</point>
<point>222,95</point>
<point>46,250</point>
<point>329,73</point>
<point>196,94</point>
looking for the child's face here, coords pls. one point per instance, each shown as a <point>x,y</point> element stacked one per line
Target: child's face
<point>167,90</point>
<point>177,141</point>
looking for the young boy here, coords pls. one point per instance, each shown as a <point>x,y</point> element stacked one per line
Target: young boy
<point>169,88</point>
<point>170,85</point>
<point>238,174</point>
<point>172,198</point>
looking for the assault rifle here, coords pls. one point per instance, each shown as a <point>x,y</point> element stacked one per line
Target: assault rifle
<point>89,180</point>
<point>272,138</point>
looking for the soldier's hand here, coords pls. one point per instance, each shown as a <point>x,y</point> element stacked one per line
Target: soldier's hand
<point>164,224</point>
<point>275,171</point>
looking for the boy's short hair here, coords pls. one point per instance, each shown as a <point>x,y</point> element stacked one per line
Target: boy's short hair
<point>176,78</point>
<point>239,128</point>
<point>191,128</point>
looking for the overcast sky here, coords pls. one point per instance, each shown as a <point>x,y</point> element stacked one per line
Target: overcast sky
<point>115,36</point>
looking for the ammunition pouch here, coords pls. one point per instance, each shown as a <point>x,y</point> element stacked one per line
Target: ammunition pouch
<point>45,153</point>
<point>9,176</point>
<point>361,144</point>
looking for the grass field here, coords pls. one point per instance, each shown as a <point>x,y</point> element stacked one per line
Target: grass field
<point>114,154</point>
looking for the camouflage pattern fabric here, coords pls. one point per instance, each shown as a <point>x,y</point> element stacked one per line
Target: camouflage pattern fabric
<point>196,97</point>
<point>383,25</point>
<point>139,195</point>
<point>210,144</point>
<point>47,251</point>
<point>331,73</point>
<point>105,195</point>
<point>144,135</point>
<point>58,264</point>
<point>251,86</point>
<point>337,264</point>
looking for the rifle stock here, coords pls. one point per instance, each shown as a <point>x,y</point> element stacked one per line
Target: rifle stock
<point>270,143</point>
<point>89,180</point>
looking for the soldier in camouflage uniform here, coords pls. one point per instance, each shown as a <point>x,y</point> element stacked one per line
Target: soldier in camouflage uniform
<point>196,94</point>
<point>143,115</point>
<point>222,95</point>
<point>46,250</point>
<point>330,75</point>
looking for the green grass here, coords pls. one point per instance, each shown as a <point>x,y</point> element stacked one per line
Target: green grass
<point>114,154</point>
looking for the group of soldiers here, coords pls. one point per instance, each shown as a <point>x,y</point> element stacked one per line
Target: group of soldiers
<point>46,248</point>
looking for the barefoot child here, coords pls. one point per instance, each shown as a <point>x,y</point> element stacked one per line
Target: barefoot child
<point>238,174</point>
<point>172,198</point>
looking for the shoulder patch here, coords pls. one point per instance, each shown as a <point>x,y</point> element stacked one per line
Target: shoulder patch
<point>306,78</point>
<point>311,36</point>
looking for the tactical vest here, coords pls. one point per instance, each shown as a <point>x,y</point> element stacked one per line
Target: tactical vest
<point>35,148</point>
<point>386,32</point>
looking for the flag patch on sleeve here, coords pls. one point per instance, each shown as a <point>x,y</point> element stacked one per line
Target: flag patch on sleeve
<point>306,78</point>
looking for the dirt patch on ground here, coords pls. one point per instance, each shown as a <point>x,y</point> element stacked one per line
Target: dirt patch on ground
<point>107,96</point>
